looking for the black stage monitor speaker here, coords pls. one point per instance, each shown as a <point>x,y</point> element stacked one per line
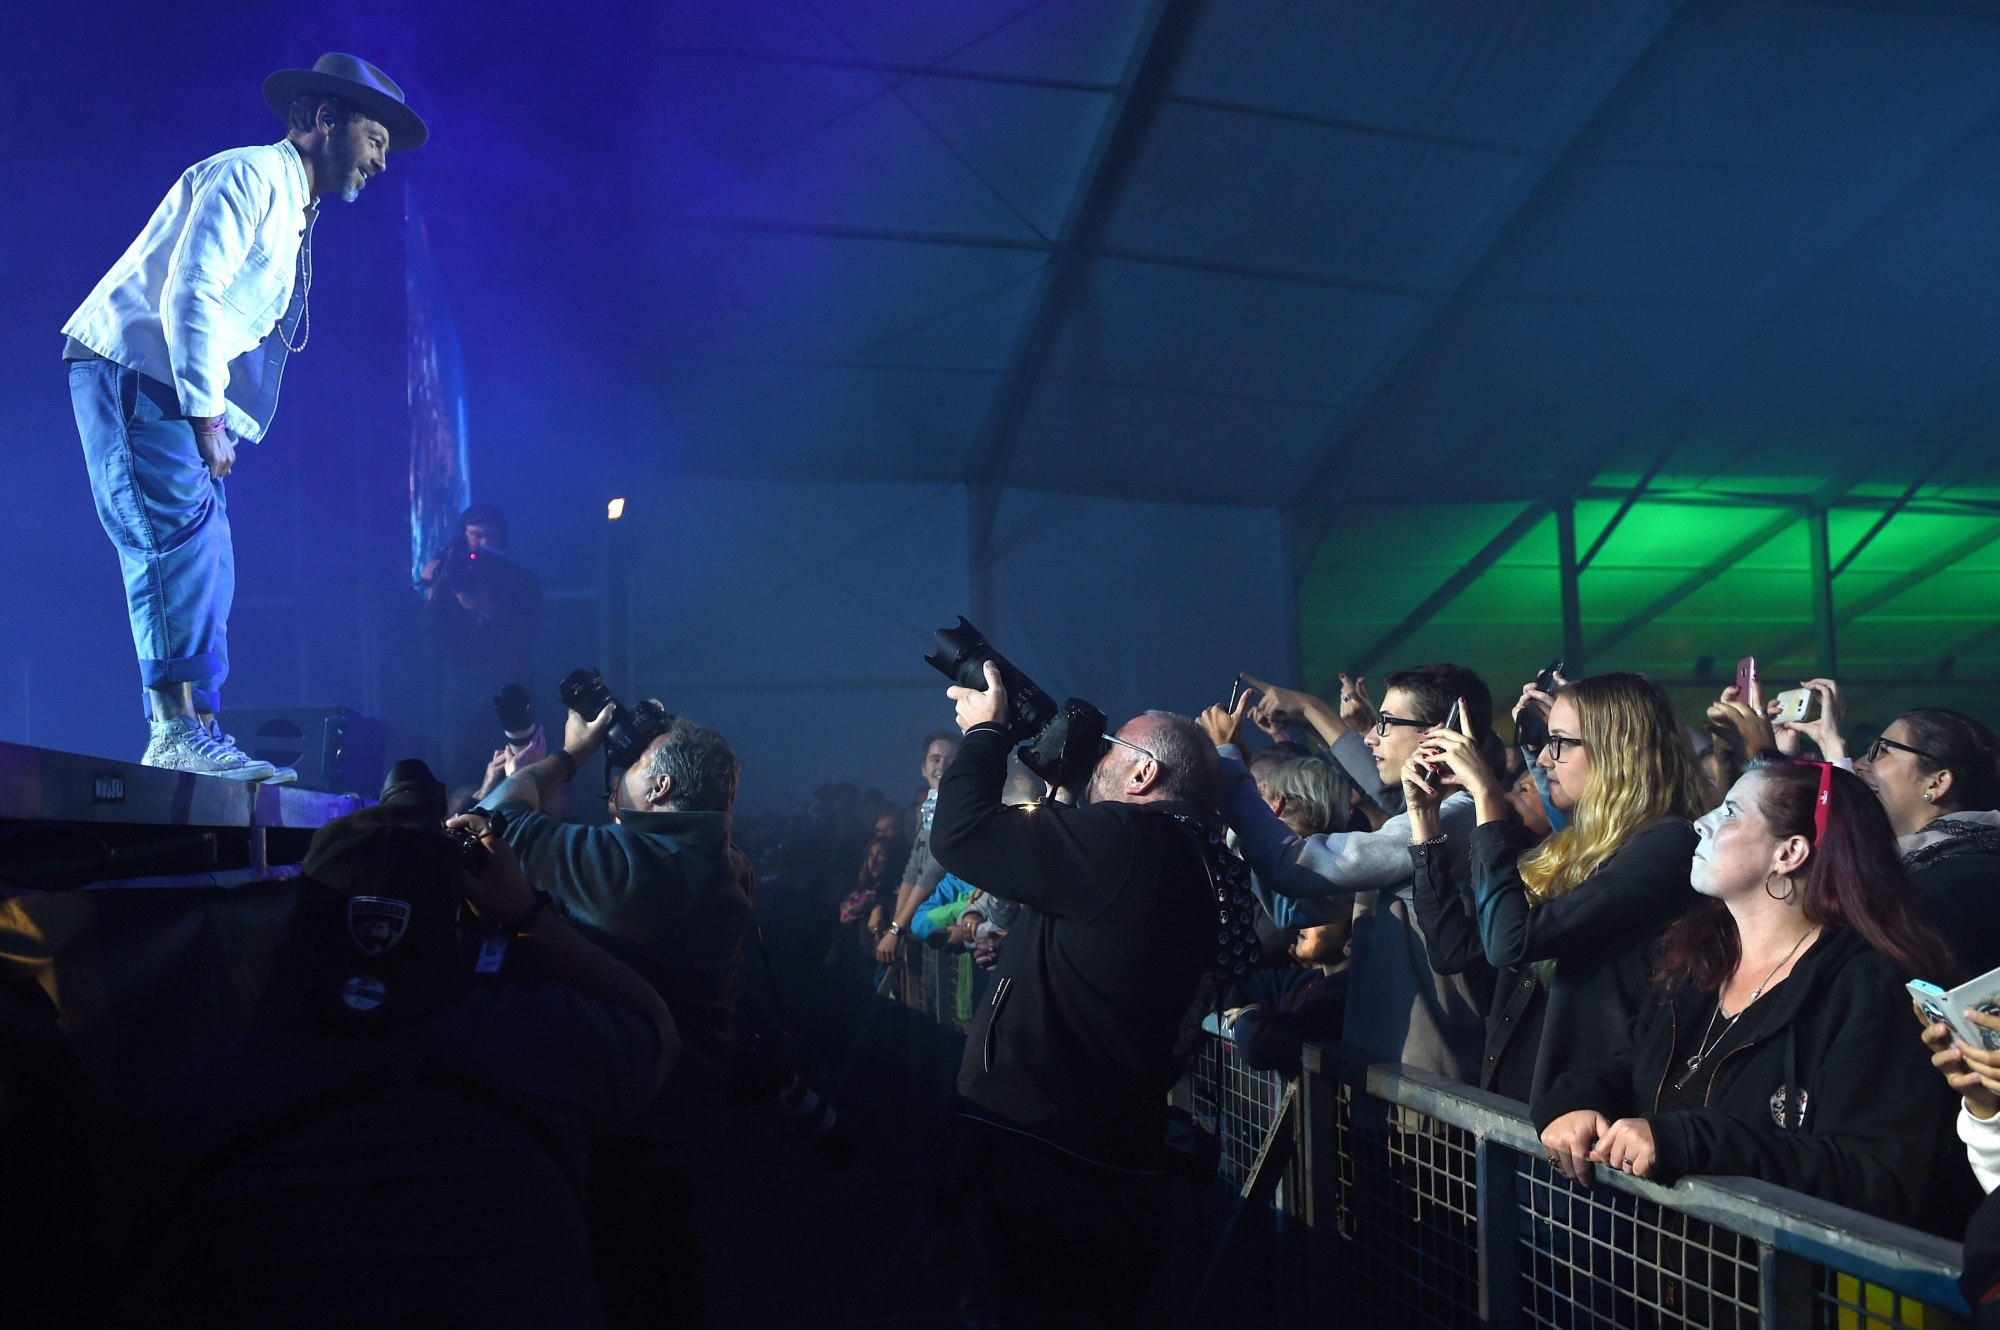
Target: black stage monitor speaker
<point>332,748</point>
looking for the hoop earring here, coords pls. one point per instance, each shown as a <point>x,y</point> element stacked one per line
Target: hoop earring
<point>1791,889</point>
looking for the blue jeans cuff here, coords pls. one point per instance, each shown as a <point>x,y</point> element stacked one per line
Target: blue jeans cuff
<point>185,669</point>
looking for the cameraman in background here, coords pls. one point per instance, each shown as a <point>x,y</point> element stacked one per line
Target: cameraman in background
<point>481,613</point>
<point>1063,1091</point>
<point>664,890</point>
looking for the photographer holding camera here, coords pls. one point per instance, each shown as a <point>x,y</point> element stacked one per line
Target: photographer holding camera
<point>1070,1059</point>
<point>400,1135</point>
<point>663,889</point>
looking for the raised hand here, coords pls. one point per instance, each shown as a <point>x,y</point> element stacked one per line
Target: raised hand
<point>1743,726</point>
<point>1225,726</point>
<point>977,706</point>
<point>1826,730</point>
<point>1356,707</point>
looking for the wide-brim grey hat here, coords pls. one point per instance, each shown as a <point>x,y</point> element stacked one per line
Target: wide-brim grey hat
<point>351,79</point>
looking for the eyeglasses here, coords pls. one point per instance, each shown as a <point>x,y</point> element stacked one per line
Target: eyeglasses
<point>1383,720</point>
<point>1882,745</point>
<point>1110,739</point>
<point>1559,745</point>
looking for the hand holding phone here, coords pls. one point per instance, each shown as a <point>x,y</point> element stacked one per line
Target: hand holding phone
<point>1747,690</point>
<point>1795,706</point>
<point>1433,770</point>
<point>1531,722</point>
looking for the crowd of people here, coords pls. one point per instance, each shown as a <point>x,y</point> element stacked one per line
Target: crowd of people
<point>1683,949</point>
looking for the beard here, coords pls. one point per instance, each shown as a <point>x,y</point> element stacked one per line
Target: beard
<point>337,161</point>
<point>1103,787</point>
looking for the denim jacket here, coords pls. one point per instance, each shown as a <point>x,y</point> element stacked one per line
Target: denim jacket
<point>194,300</point>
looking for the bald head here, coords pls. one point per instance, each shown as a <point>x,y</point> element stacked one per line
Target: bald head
<point>1179,763</point>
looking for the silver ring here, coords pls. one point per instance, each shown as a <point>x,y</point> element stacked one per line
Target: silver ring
<point>1626,1164</point>
<point>1346,698</point>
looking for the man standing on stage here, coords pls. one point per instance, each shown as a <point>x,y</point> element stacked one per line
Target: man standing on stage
<point>177,355</point>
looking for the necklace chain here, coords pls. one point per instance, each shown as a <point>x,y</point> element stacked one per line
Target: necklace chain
<point>305,270</point>
<point>1703,1048</point>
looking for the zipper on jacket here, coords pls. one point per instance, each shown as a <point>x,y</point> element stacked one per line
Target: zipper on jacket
<point>1720,1063</point>
<point>1000,988</point>
<point>1673,1052</point>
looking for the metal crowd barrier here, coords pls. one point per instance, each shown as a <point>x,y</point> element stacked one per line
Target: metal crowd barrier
<point>1378,1195</point>
<point>1423,1202</point>
<point>941,985</point>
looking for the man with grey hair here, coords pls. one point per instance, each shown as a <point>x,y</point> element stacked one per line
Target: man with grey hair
<point>665,890</point>
<point>1063,1091</point>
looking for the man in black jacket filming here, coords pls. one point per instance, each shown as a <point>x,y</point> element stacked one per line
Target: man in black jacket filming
<point>1070,1059</point>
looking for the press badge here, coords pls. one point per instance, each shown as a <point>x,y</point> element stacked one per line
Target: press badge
<point>491,953</point>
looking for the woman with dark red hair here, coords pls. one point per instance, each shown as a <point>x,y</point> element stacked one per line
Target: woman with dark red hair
<point>1778,1041</point>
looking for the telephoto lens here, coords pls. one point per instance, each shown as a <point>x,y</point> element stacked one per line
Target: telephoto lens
<point>516,711</point>
<point>1061,744</point>
<point>758,1075</point>
<point>961,657</point>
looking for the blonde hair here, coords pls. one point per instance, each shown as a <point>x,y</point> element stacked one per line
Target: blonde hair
<point>1642,768</point>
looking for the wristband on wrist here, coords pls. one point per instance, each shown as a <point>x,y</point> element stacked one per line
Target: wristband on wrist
<point>569,763</point>
<point>215,426</point>
<point>520,925</point>
<point>895,928</point>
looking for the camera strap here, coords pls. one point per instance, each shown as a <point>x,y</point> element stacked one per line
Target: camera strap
<point>1237,950</point>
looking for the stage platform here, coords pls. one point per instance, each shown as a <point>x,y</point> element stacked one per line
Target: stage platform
<point>40,785</point>
<point>69,821</point>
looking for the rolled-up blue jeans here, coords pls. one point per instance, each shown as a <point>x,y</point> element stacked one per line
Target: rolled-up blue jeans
<point>167,518</point>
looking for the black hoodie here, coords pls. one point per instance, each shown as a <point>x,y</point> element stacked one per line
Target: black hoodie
<point>1877,1133</point>
<point>1074,1042</point>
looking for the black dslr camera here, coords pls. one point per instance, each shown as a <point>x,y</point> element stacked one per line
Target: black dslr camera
<point>585,693</point>
<point>1061,744</point>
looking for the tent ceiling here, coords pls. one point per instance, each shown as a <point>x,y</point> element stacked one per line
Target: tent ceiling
<point>1529,243</point>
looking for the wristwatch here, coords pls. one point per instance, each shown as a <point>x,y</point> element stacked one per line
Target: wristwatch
<point>895,928</point>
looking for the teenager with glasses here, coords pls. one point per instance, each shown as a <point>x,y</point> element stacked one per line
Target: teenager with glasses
<point>1577,911</point>
<point>1400,1007</point>
<point>1937,773</point>
<point>1775,1041</point>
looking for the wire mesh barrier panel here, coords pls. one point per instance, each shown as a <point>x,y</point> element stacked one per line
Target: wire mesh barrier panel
<point>1600,1257</point>
<point>1378,1195</point>
<point>1263,1267</point>
<point>1407,1216</point>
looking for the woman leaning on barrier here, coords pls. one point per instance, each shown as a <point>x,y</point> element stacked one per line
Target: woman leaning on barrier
<point>1778,1044</point>
<point>1578,911</point>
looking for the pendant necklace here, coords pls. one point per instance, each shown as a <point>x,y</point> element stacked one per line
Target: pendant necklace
<point>1703,1047</point>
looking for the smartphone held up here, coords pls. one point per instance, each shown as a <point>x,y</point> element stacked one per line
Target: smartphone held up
<point>1796,706</point>
<point>1432,771</point>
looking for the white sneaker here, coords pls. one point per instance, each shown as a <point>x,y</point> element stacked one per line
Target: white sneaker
<point>281,776</point>
<point>181,744</point>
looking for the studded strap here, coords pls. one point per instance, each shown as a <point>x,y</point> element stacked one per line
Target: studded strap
<point>1237,951</point>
